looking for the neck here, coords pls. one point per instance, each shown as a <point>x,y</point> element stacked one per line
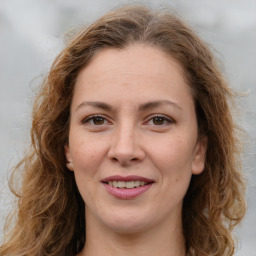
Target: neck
<point>101,241</point>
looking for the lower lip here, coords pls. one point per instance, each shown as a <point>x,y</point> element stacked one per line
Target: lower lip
<point>127,193</point>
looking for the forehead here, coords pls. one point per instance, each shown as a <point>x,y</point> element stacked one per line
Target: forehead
<point>137,59</point>
<point>136,72</point>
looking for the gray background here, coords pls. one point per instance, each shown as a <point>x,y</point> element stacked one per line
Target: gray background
<point>31,35</point>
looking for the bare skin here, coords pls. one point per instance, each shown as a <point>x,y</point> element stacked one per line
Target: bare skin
<point>133,114</point>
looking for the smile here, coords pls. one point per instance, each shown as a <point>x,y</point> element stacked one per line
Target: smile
<point>127,184</point>
<point>128,187</point>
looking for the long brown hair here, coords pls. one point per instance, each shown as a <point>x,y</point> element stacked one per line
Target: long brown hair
<point>50,212</point>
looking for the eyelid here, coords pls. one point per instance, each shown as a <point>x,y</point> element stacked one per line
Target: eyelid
<point>165,117</point>
<point>90,117</point>
<point>149,118</point>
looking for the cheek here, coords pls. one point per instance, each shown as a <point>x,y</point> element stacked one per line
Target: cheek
<point>86,161</point>
<point>86,152</point>
<point>173,153</point>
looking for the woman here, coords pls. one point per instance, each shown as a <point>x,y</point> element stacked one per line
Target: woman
<point>134,150</point>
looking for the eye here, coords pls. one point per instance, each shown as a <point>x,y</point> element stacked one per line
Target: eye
<point>95,120</point>
<point>160,120</point>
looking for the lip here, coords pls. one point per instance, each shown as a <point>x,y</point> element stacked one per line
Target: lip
<point>127,193</point>
<point>127,178</point>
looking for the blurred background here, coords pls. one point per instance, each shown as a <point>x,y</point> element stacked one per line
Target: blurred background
<point>32,34</point>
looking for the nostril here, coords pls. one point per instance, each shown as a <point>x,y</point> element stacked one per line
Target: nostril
<point>116,160</point>
<point>124,162</point>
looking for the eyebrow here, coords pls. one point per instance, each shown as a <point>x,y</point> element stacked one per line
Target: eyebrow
<point>142,107</point>
<point>157,103</point>
<point>96,104</point>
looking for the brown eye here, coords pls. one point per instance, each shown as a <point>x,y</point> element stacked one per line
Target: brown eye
<point>98,120</point>
<point>95,120</point>
<point>158,120</point>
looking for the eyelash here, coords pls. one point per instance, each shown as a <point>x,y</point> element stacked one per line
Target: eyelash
<point>93,117</point>
<point>165,119</point>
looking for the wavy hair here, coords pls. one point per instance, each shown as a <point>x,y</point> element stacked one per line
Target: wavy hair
<point>50,211</point>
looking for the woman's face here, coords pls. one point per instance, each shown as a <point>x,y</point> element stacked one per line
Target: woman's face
<point>133,142</point>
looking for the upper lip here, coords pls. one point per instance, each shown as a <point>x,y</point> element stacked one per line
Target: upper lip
<point>127,178</point>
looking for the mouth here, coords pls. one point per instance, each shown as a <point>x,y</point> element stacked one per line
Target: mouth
<point>126,184</point>
<point>127,187</point>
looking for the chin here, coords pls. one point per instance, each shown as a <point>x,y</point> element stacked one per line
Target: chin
<point>128,224</point>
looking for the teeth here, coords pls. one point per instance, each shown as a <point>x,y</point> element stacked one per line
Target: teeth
<point>137,183</point>
<point>121,184</point>
<point>128,184</point>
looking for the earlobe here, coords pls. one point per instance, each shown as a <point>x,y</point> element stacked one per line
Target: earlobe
<point>199,156</point>
<point>69,162</point>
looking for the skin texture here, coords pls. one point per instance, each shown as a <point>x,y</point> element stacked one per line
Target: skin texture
<point>131,137</point>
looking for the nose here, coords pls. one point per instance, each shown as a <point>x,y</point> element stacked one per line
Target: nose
<point>126,146</point>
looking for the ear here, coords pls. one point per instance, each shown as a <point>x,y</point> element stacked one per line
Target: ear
<point>69,161</point>
<point>199,156</point>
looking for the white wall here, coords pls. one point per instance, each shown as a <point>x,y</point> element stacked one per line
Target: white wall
<point>31,34</point>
